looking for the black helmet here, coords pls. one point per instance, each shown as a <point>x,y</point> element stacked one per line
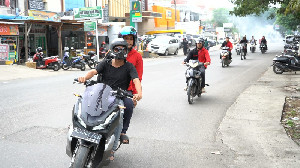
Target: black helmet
<point>116,51</point>
<point>128,30</point>
<point>200,40</point>
<point>39,49</point>
<point>91,53</point>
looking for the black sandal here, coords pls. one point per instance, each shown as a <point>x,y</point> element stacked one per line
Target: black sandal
<point>123,138</point>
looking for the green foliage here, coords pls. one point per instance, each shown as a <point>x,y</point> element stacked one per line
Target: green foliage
<point>290,123</point>
<point>220,16</point>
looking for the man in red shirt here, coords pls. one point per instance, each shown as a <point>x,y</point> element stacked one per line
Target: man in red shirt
<point>129,34</point>
<point>201,54</point>
<point>227,43</point>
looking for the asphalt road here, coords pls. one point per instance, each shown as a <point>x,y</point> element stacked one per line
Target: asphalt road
<point>165,130</point>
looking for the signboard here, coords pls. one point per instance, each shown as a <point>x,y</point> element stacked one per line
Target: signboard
<point>105,14</point>
<point>36,4</point>
<point>43,15</point>
<point>102,31</point>
<point>4,49</point>
<point>168,14</point>
<point>89,26</point>
<point>88,12</point>
<point>9,29</point>
<point>136,12</point>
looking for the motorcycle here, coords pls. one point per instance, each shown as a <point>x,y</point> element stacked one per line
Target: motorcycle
<point>90,59</point>
<point>75,62</point>
<point>263,48</point>
<point>102,52</point>
<point>252,47</point>
<point>286,63</point>
<point>238,49</point>
<point>292,49</point>
<point>225,57</point>
<point>193,80</point>
<point>95,117</point>
<point>244,49</point>
<point>47,62</point>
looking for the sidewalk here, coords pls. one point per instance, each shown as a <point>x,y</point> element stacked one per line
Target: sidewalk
<point>252,128</point>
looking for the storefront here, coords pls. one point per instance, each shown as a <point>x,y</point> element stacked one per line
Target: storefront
<point>9,39</point>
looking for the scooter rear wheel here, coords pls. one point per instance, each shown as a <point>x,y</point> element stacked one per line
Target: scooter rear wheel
<point>277,70</point>
<point>64,66</point>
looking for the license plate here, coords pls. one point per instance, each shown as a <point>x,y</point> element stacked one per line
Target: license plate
<point>86,135</point>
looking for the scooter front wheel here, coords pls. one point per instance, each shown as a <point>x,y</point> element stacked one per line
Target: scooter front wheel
<point>80,157</point>
<point>223,63</point>
<point>64,66</point>
<point>82,67</point>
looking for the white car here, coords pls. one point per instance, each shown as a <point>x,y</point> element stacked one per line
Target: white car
<point>164,45</point>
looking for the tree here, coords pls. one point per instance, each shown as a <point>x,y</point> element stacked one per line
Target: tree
<point>220,16</point>
<point>257,7</point>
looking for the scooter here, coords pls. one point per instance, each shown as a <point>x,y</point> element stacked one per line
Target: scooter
<point>286,63</point>
<point>75,62</point>
<point>225,57</point>
<point>193,80</point>
<point>252,47</point>
<point>238,49</point>
<point>263,48</point>
<point>90,59</point>
<point>244,49</point>
<point>95,117</point>
<point>46,63</point>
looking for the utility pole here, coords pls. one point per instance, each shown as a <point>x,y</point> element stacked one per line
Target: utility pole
<point>25,31</point>
<point>175,13</point>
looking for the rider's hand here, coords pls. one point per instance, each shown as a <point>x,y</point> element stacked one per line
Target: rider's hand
<point>81,79</point>
<point>137,97</point>
<point>183,62</point>
<point>206,63</point>
<point>134,103</point>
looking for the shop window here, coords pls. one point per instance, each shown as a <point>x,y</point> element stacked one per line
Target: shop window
<point>2,3</point>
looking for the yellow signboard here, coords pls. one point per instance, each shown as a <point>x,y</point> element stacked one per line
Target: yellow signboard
<point>42,15</point>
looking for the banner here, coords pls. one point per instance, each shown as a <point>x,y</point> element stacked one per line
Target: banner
<point>4,49</point>
<point>88,12</point>
<point>6,29</point>
<point>42,15</point>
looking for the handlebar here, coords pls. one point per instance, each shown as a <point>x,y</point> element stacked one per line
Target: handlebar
<point>119,92</point>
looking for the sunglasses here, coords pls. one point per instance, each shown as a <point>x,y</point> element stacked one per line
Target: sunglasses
<point>119,49</point>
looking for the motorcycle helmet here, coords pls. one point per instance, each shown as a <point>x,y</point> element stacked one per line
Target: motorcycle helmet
<point>103,42</point>
<point>128,30</point>
<point>91,53</point>
<point>118,52</point>
<point>200,40</point>
<point>39,49</point>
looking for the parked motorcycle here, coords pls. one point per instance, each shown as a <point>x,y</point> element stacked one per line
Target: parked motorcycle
<point>243,51</point>
<point>225,57</point>
<point>75,62</point>
<point>252,47</point>
<point>292,49</point>
<point>95,116</point>
<point>47,62</point>
<point>286,63</point>
<point>193,80</point>
<point>238,49</point>
<point>90,59</point>
<point>263,48</point>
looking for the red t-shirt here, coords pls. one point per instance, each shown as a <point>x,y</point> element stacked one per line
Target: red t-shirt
<point>136,59</point>
<point>229,44</point>
<point>203,56</point>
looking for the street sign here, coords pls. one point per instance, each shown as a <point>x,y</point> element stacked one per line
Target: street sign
<point>89,26</point>
<point>136,13</point>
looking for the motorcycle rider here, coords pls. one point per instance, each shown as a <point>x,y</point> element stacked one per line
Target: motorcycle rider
<point>117,73</point>
<point>206,44</point>
<point>185,44</point>
<point>129,34</point>
<point>264,41</point>
<point>38,56</point>
<point>245,41</point>
<point>227,43</point>
<point>201,54</point>
<point>253,40</point>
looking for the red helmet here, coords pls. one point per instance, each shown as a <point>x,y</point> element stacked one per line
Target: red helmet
<point>103,42</point>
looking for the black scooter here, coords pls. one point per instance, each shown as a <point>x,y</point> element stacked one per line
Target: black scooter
<point>95,116</point>
<point>286,63</point>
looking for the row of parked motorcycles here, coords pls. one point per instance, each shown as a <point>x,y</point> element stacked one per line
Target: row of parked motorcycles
<point>289,60</point>
<point>53,62</point>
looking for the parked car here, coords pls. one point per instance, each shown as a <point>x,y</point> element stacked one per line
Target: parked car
<point>164,45</point>
<point>211,42</point>
<point>180,37</point>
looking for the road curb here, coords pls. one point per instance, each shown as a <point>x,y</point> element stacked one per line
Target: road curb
<point>252,128</point>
